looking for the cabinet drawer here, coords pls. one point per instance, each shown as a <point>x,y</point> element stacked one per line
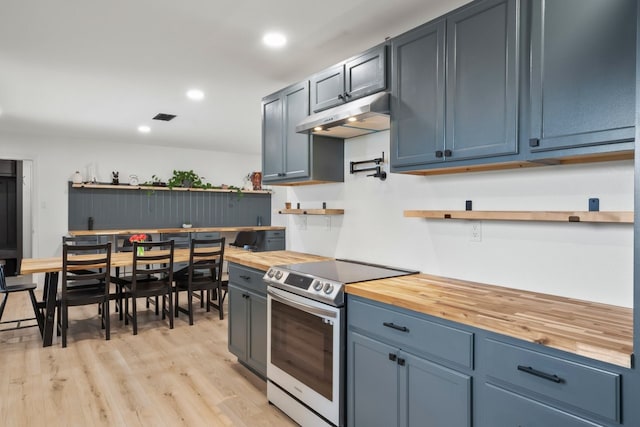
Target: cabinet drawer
<point>274,245</point>
<point>248,278</point>
<point>553,379</point>
<point>412,332</point>
<point>504,408</point>
<point>206,235</point>
<point>270,234</point>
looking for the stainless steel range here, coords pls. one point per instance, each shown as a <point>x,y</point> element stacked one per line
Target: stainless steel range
<point>306,336</point>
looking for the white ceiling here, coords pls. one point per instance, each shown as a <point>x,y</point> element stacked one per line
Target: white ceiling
<point>96,70</point>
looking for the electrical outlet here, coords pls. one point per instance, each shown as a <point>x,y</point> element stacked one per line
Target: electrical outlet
<point>476,231</point>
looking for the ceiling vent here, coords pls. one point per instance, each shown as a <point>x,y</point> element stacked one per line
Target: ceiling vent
<point>164,117</point>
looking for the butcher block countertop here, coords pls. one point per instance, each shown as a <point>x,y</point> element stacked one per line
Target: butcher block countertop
<point>598,331</point>
<point>264,260</point>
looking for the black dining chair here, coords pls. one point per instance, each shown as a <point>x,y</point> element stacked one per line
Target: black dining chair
<point>204,273</point>
<point>122,276</point>
<point>91,287</point>
<point>6,289</point>
<point>156,261</point>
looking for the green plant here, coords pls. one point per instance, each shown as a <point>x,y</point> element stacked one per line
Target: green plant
<point>187,179</point>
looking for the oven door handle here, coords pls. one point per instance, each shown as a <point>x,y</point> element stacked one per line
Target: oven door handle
<point>317,311</point>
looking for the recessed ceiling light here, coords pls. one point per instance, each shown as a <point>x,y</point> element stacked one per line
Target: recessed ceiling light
<point>352,119</point>
<point>195,94</point>
<point>144,129</point>
<point>274,40</point>
<point>317,128</point>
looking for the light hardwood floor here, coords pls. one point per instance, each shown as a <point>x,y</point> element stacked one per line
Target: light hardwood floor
<point>161,377</point>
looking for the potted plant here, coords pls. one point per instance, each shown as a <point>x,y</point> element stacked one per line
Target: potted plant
<point>187,179</point>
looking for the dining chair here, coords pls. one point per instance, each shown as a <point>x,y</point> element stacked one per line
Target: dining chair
<point>157,261</point>
<point>6,289</point>
<point>84,241</point>
<point>204,273</point>
<point>91,287</point>
<point>122,275</point>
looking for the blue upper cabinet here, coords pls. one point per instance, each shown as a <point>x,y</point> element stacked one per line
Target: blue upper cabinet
<point>417,101</point>
<point>455,87</point>
<point>285,153</point>
<point>359,76</point>
<point>582,84</point>
<point>290,158</point>
<point>482,81</point>
<point>505,83</point>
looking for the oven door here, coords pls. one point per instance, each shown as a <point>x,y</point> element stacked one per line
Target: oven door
<point>305,351</point>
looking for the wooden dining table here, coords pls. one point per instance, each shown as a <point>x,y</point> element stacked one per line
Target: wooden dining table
<point>52,267</point>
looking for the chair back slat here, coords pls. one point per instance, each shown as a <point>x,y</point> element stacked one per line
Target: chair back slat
<point>98,257</point>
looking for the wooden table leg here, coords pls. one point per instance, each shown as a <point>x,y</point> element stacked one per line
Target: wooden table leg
<point>50,291</point>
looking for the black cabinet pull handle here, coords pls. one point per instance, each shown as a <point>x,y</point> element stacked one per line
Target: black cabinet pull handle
<point>550,377</point>
<point>401,361</point>
<point>439,154</point>
<point>392,357</point>
<point>448,153</point>
<point>245,295</point>
<point>347,95</point>
<point>396,327</point>
<point>534,142</point>
<point>340,96</point>
<point>245,277</point>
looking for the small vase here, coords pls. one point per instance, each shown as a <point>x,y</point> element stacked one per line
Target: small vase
<point>140,251</point>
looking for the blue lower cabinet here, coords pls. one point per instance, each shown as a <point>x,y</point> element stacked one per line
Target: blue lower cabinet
<point>388,385</point>
<point>372,384</point>
<point>248,317</point>
<point>432,395</point>
<point>504,408</point>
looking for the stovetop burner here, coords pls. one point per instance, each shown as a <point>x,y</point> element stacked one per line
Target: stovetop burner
<point>324,280</point>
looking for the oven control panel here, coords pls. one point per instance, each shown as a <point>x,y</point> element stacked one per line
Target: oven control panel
<point>324,290</point>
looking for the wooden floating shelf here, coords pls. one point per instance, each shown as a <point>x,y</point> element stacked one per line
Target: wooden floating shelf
<point>159,188</point>
<point>622,217</point>
<point>311,211</point>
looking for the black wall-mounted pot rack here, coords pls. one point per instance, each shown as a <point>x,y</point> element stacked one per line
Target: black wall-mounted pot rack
<point>379,173</point>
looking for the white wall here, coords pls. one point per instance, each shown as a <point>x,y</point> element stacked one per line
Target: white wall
<point>56,159</point>
<point>585,261</point>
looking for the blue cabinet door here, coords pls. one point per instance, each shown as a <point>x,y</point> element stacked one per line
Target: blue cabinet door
<point>417,96</point>
<point>366,74</point>
<point>272,138</point>
<point>432,395</point>
<point>327,88</point>
<point>372,383</point>
<point>296,108</point>
<point>238,327</point>
<point>482,80</point>
<point>257,349</point>
<point>583,56</point>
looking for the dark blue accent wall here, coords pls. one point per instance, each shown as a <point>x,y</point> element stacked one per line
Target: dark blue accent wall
<point>125,208</point>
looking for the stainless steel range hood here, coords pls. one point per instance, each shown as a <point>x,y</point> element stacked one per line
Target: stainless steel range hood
<point>360,117</point>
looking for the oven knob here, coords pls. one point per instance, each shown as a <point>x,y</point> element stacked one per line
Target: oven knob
<point>317,285</point>
<point>270,273</point>
<point>278,275</point>
<point>328,288</point>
